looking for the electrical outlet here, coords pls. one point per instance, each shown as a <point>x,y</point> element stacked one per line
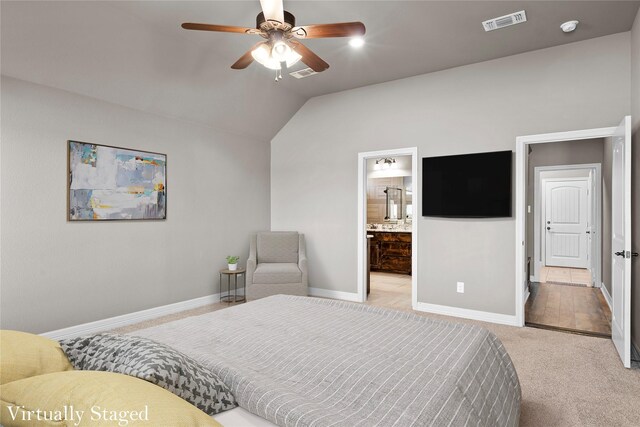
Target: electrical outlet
<point>461,287</point>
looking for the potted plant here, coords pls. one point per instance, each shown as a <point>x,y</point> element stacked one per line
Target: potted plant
<point>233,262</point>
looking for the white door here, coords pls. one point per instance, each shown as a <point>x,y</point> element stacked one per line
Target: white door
<point>592,229</point>
<point>621,241</point>
<point>566,221</point>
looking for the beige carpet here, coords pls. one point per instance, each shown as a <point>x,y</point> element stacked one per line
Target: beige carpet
<point>567,379</point>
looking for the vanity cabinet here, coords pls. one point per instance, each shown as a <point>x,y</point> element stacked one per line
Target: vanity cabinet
<point>390,252</point>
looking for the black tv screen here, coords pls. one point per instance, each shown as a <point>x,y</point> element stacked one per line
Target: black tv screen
<point>467,186</point>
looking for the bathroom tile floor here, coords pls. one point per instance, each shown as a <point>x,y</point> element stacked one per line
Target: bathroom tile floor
<point>572,308</point>
<point>390,290</point>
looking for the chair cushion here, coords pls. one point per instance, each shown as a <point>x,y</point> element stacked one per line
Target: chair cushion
<point>275,273</point>
<point>279,246</point>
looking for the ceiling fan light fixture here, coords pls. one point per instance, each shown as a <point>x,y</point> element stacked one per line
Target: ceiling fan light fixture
<point>278,27</point>
<point>262,55</point>
<point>292,58</point>
<point>280,51</point>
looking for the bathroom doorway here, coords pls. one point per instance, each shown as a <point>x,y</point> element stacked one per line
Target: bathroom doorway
<point>387,229</point>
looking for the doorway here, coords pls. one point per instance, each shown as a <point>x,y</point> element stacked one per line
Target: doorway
<point>387,232</point>
<point>565,226</point>
<point>564,211</point>
<point>619,251</point>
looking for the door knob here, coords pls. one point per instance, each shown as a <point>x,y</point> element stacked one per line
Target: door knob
<point>548,222</point>
<point>548,228</point>
<point>621,253</point>
<point>588,232</point>
<point>634,254</point>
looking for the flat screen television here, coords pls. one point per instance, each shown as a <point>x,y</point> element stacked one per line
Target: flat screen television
<point>467,186</point>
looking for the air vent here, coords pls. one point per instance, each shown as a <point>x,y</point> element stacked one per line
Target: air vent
<point>505,21</point>
<point>301,74</point>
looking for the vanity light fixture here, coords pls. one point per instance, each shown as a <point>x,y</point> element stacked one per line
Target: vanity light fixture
<point>385,163</point>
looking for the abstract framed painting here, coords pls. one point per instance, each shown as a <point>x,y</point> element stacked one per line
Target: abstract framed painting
<point>108,183</point>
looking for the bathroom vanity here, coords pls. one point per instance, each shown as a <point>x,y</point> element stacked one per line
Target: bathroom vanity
<point>390,251</point>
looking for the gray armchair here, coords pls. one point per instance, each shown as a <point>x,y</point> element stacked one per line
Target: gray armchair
<point>277,264</point>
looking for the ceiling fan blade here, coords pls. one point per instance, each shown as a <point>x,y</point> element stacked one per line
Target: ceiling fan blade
<point>220,28</point>
<point>344,29</point>
<point>246,59</point>
<point>273,10</point>
<point>316,63</point>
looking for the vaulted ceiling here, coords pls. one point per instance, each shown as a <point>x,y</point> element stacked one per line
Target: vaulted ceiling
<point>134,53</point>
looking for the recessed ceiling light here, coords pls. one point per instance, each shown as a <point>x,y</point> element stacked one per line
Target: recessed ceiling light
<point>356,42</point>
<point>569,26</point>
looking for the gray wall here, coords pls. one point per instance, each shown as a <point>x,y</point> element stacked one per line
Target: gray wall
<point>56,274</point>
<point>557,153</point>
<point>481,107</point>
<point>635,115</point>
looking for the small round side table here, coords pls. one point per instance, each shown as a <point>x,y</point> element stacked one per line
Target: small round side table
<point>235,297</point>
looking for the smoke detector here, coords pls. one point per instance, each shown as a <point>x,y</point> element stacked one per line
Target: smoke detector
<point>569,26</point>
<point>505,21</point>
<point>301,74</point>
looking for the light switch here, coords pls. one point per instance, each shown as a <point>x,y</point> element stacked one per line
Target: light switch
<point>461,287</point>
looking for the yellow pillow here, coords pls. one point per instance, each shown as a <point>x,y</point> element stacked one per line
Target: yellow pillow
<point>24,355</point>
<point>94,398</point>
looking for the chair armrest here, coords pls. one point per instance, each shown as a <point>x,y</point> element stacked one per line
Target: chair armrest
<point>251,268</point>
<point>252,261</point>
<point>302,260</point>
<point>302,264</point>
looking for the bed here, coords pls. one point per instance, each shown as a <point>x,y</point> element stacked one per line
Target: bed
<point>300,361</point>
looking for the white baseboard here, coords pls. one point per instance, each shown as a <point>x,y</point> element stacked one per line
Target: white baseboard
<point>606,295</point>
<point>484,316</point>
<point>327,293</point>
<point>131,318</point>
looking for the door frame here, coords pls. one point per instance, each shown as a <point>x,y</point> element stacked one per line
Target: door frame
<point>362,217</point>
<point>522,142</point>
<point>596,200</point>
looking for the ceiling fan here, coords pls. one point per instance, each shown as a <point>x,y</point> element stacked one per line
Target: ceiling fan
<point>281,47</point>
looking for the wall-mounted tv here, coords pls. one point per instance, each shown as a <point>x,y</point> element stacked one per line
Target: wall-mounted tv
<point>467,186</point>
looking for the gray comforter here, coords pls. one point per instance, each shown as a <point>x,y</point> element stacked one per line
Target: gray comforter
<point>300,361</point>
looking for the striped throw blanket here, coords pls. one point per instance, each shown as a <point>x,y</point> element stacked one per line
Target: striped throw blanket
<point>302,362</point>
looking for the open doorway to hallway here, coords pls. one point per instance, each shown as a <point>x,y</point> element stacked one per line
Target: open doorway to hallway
<point>568,209</point>
<point>616,247</point>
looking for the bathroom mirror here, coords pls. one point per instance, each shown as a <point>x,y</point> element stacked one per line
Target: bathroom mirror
<point>394,208</point>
